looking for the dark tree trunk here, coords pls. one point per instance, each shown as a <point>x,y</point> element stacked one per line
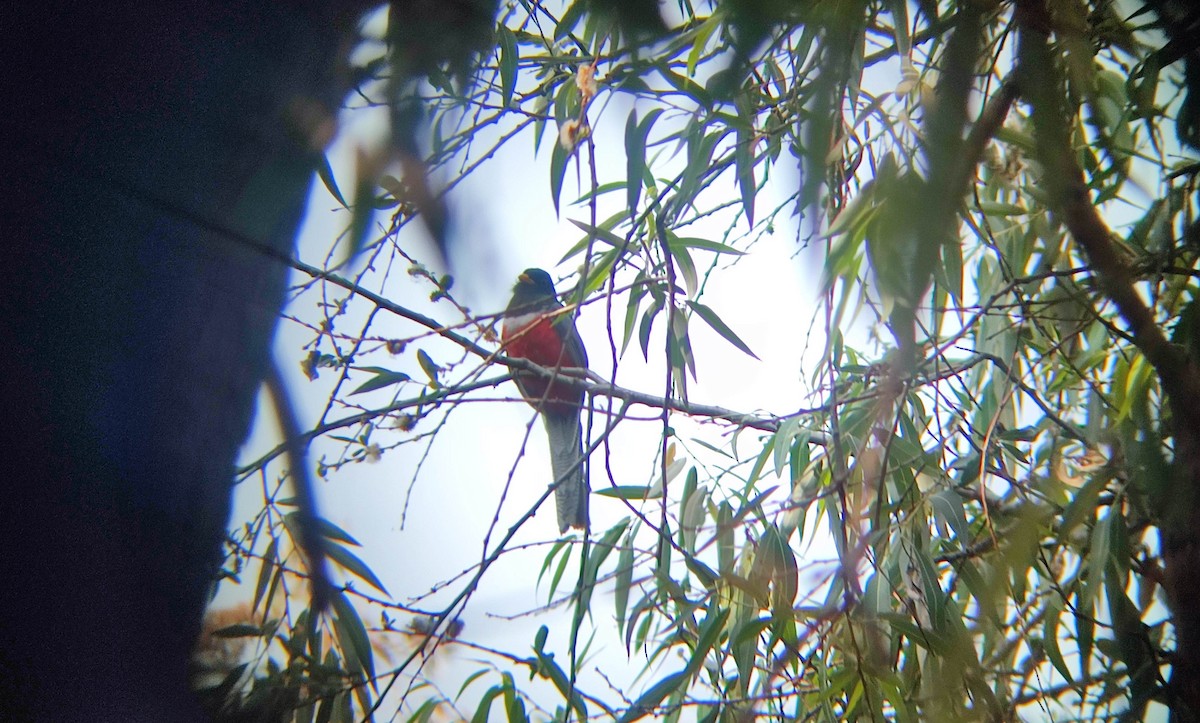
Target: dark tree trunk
<point>144,144</point>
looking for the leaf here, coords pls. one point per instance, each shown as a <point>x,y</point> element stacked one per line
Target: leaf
<point>600,552</point>
<point>270,560</point>
<point>648,701</point>
<point>1050,640</point>
<point>706,245</point>
<point>325,173</point>
<point>743,156</point>
<point>948,506</point>
<point>485,704</point>
<point>624,581</point>
<point>352,634</point>
<point>685,85</point>
<point>635,162</point>
<point>430,367</point>
<point>548,668</point>
<point>710,633</point>
<point>239,630</point>
<point>704,32</point>
<point>647,324</point>
<point>710,317</point>
<point>601,234</point>
<point>558,169</point>
<point>630,492</point>
<point>509,58</point>
<point>569,19</point>
<point>636,294</point>
<point>687,268</point>
<point>352,564</point>
<point>382,379</point>
<point>333,532</point>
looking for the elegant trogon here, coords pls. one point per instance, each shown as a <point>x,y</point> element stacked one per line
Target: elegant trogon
<point>532,331</point>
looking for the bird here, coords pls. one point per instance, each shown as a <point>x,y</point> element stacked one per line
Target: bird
<point>532,331</point>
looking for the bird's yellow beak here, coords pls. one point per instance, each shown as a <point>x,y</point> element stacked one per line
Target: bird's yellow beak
<point>524,278</point>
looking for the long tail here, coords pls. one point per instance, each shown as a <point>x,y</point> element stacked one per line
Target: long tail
<point>566,460</point>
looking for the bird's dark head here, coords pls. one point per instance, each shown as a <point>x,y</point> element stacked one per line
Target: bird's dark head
<point>533,285</point>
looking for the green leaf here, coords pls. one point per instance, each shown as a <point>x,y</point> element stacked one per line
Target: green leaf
<point>647,324</point>
<point>743,156</point>
<point>333,532</point>
<point>948,506</point>
<point>648,701</point>
<point>270,560</point>
<point>636,294</point>
<point>601,234</point>
<point>629,492</point>
<point>600,552</point>
<point>509,58</point>
<point>325,173</point>
<point>548,668</point>
<point>710,633</point>
<point>685,85</point>
<point>352,564</point>
<point>706,245</point>
<point>687,268</point>
<point>558,169</point>
<point>430,367</point>
<point>352,634</point>
<point>239,630</point>
<point>710,317</point>
<point>635,162</point>
<point>384,378</point>
<point>485,704</point>
<point>1050,640</point>
<point>569,19</point>
<point>624,581</point>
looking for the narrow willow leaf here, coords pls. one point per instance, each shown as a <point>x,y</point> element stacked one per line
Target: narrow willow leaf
<point>648,701</point>
<point>485,704</point>
<point>429,366</point>
<point>601,234</point>
<point>558,169</point>
<point>509,58</point>
<point>270,560</point>
<point>354,565</point>
<point>1050,640</point>
<point>706,245</point>
<point>548,668</point>
<point>743,156</point>
<point>381,380</point>
<point>558,573</point>
<point>333,532</point>
<point>630,492</point>
<point>470,679</point>
<point>646,325</point>
<point>704,32</point>
<point>636,294</point>
<point>710,632</point>
<point>352,634</point>
<point>710,317</point>
<point>570,18</point>
<point>325,173</point>
<point>239,630</point>
<point>624,581</point>
<point>635,162</point>
<point>602,549</point>
<point>687,267</point>
<point>685,85</point>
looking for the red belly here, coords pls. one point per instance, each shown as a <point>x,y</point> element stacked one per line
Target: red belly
<point>541,345</point>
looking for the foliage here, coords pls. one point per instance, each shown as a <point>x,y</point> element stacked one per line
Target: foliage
<point>990,457</point>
